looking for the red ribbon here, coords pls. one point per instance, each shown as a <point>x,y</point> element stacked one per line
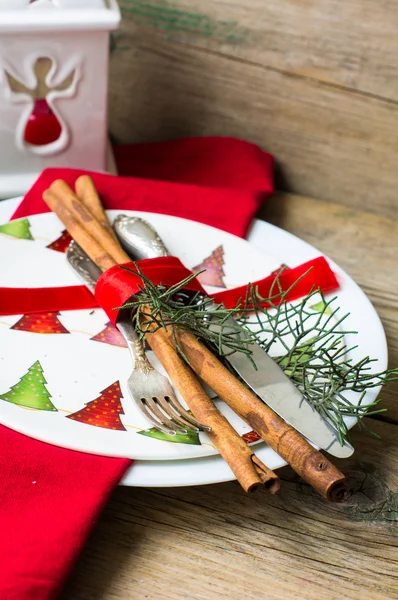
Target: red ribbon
<point>117,285</point>
<point>26,301</point>
<point>297,282</point>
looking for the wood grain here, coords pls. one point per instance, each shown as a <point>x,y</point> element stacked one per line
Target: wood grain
<point>353,44</point>
<point>315,84</point>
<point>214,541</point>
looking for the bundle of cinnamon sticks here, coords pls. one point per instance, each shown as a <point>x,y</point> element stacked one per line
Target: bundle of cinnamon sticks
<point>84,218</point>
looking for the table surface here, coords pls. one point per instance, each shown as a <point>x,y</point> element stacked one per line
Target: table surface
<point>203,543</point>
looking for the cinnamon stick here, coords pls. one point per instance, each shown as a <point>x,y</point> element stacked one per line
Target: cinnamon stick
<point>78,232</point>
<point>87,193</point>
<point>309,463</point>
<point>70,201</point>
<point>249,470</point>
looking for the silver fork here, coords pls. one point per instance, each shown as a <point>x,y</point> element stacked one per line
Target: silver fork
<point>150,390</point>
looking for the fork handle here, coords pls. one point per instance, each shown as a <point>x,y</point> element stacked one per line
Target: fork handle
<point>134,344</point>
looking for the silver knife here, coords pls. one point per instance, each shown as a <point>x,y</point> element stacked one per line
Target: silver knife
<point>267,380</point>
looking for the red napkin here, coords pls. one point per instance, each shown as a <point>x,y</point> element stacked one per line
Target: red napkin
<point>224,180</point>
<point>50,497</point>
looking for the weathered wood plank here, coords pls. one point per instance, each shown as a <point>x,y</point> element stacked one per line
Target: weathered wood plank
<point>215,541</point>
<point>351,44</point>
<point>330,142</point>
<point>364,244</point>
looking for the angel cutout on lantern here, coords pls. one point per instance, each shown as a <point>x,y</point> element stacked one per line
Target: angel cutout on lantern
<point>54,57</point>
<point>42,129</point>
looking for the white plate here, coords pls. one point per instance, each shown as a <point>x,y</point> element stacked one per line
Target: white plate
<point>285,248</point>
<point>84,402</point>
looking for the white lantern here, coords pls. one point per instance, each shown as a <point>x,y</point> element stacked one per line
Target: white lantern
<point>53,87</point>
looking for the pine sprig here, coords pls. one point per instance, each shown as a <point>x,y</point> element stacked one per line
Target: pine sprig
<point>174,308</point>
<point>309,337</point>
<point>314,354</point>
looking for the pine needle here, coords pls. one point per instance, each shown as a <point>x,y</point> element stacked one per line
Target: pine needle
<point>313,350</point>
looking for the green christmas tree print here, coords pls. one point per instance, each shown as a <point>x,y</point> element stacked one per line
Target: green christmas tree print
<point>322,308</point>
<point>30,391</point>
<point>191,437</point>
<point>20,228</point>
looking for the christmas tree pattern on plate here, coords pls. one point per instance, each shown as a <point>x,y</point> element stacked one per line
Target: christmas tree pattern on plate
<point>322,307</point>
<point>104,411</point>
<point>61,244</point>
<point>110,335</point>
<point>30,391</point>
<point>279,270</point>
<point>214,273</point>
<point>250,437</point>
<point>20,228</point>
<point>191,437</point>
<point>40,323</point>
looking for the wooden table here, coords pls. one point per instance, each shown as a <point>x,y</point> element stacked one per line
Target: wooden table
<point>211,542</point>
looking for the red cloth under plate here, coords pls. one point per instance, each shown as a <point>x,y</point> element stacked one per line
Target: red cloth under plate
<point>50,497</point>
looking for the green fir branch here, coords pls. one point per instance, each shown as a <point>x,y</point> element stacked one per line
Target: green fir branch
<point>313,350</point>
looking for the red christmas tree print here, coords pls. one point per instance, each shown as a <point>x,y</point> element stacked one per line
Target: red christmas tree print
<point>61,244</point>
<point>104,411</point>
<point>214,269</point>
<point>110,335</point>
<point>40,323</point>
<point>250,437</point>
<point>279,270</point>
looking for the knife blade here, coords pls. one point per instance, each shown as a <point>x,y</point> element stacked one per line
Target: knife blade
<point>267,380</point>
